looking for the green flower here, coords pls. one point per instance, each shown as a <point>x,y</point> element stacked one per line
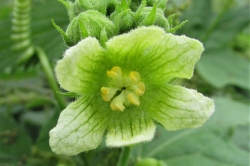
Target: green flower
<point>125,87</point>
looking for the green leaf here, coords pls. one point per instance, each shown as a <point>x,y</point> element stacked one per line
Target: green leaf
<point>43,33</point>
<point>213,144</point>
<point>224,67</point>
<point>14,141</point>
<point>42,141</point>
<point>199,14</point>
<point>7,58</point>
<point>232,23</point>
<point>219,65</point>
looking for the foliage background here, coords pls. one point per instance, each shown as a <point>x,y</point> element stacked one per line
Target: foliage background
<point>28,109</point>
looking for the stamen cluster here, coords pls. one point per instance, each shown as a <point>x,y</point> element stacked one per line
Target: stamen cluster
<point>123,89</point>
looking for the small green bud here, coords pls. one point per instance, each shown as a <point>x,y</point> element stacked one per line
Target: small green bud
<point>159,3</point>
<point>89,23</point>
<point>75,8</point>
<point>150,162</point>
<point>124,20</point>
<point>152,16</point>
<point>84,5</point>
<point>123,17</point>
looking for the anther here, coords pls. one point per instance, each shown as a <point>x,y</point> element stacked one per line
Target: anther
<point>114,72</point>
<point>135,76</point>
<point>117,103</point>
<point>108,93</point>
<point>133,98</point>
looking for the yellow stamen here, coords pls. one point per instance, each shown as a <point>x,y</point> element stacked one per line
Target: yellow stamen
<point>108,93</point>
<point>138,88</point>
<point>135,76</point>
<point>114,72</point>
<point>105,90</point>
<point>133,98</point>
<point>117,103</point>
<point>128,87</point>
<point>141,88</point>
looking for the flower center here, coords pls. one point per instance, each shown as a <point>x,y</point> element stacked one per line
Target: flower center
<point>124,90</point>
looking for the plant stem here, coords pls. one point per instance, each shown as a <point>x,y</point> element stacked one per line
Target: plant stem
<point>50,76</point>
<point>124,156</point>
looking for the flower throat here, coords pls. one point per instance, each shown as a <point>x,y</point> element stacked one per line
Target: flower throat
<point>124,90</point>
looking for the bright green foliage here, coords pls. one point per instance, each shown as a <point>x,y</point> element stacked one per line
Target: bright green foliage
<point>154,58</point>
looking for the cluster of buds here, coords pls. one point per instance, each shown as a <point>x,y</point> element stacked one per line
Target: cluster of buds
<point>104,19</point>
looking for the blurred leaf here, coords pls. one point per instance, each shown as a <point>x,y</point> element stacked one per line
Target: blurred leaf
<point>43,138</point>
<point>36,118</point>
<point>6,58</point>
<point>232,23</point>
<point>39,102</point>
<point>219,65</point>
<point>212,144</point>
<point>242,136</point>
<point>199,15</point>
<point>43,32</point>
<point>15,144</point>
<point>224,67</point>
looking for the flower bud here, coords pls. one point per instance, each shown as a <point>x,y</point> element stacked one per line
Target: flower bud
<point>159,3</point>
<point>123,17</point>
<point>152,16</point>
<point>84,5</point>
<point>124,20</point>
<point>89,23</point>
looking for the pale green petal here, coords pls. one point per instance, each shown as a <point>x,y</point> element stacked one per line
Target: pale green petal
<point>130,127</point>
<point>173,56</point>
<point>127,50</point>
<point>74,70</point>
<point>156,55</point>
<point>178,107</point>
<point>79,129</point>
<point>135,41</point>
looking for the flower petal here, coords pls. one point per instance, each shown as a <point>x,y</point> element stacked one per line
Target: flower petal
<point>79,128</point>
<point>156,55</point>
<point>130,127</point>
<point>178,107</point>
<point>74,70</point>
<point>127,50</point>
<point>173,56</point>
<point>137,40</point>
